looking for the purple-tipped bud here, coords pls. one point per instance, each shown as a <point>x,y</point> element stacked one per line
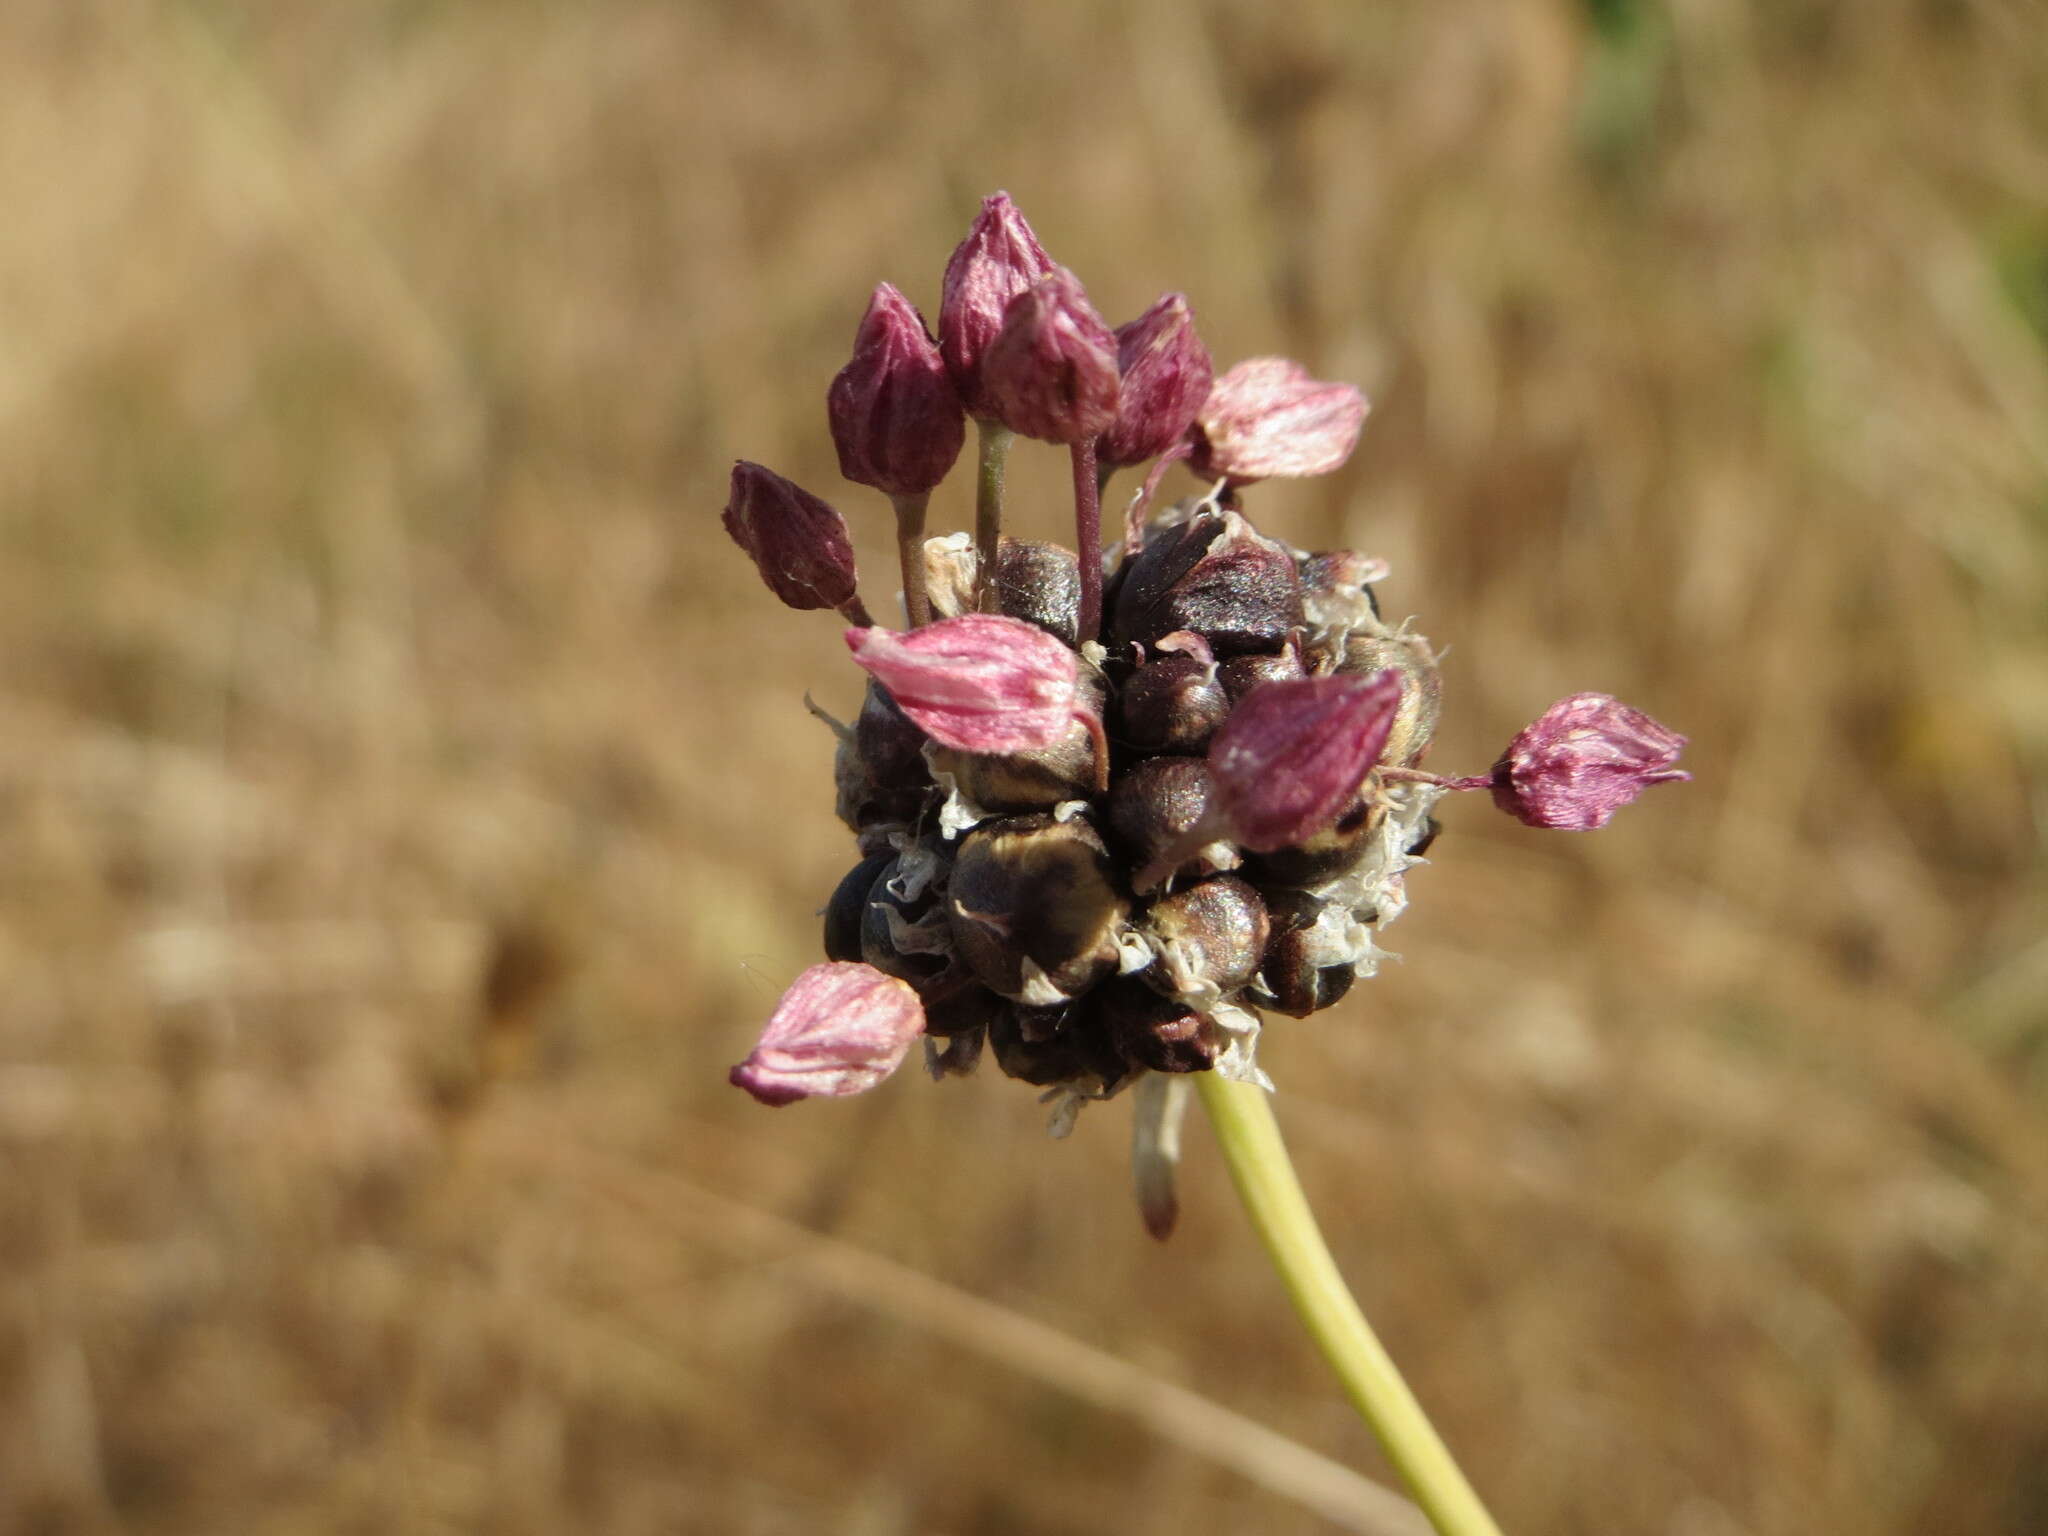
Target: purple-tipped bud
<point>982,682</point>
<point>1582,760</point>
<point>998,260</point>
<point>1293,754</point>
<point>840,1028</point>
<point>1267,419</point>
<point>1051,372</point>
<point>798,542</point>
<point>1166,378</point>
<point>895,417</point>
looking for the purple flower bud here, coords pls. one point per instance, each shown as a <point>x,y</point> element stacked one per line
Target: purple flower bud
<point>798,541</point>
<point>1293,754</point>
<point>840,1028</point>
<point>998,260</point>
<point>895,417</point>
<point>1166,378</point>
<point>1051,372</point>
<point>982,682</point>
<point>1267,418</point>
<point>1582,760</point>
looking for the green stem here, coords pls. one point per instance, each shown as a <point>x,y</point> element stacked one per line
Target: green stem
<point>917,605</point>
<point>992,441</point>
<point>1243,1116</point>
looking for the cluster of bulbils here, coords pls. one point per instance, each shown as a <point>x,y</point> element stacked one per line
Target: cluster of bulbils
<point>1108,811</point>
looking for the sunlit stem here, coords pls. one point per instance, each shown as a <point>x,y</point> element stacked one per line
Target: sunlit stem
<point>1250,1137</point>
<point>1088,537</point>
<point>910,553</point>
<point>993,445</point>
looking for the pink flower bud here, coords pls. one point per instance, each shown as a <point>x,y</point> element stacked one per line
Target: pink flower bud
<point>1051,372</point>
<point>998,260</point>
<point>982,682</point>
<point>840,1028</point>
<point>1267,418</point>
<point>798,541</point>
<point>1582,760</point>
<point>895,417</point>
<point>1166,378</point>
<point>1292,756</point>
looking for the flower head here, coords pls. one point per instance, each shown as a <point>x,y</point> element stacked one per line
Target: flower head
<point>840,1028</point>
<point>1051,372</point>
<point>983,682</point>
<point>798,542</point>
<point>1582,760</point>
<point>1166,378</point>
<point>1267,419</point>
<point>998,260</point>
<point>896,419</point>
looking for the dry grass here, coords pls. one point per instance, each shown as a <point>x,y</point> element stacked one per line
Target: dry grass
<point>406,809</point>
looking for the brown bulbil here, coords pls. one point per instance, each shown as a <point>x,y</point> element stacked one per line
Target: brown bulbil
<point>1241,674</point>
<point>1321,856</point>
<point>1296,985</point>
<point>1410,659</point>
<point>1033,908</point>
<point>1211,935</point>
<point>847,909</point>
<point>1075,1051</point>
<point>1172,703</point>
<point>1154,803</point>
<point>1154,1032</point>
<point>1040,584</point>
<point>1213,574</point>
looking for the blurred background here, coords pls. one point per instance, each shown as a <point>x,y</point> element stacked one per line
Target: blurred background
<point>408,810</point>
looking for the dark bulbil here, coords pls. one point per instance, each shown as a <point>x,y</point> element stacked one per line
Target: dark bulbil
<point>1213,574</point>
<point>1034,908</point>
<point>1173,703</point>
<point>1292,980</point>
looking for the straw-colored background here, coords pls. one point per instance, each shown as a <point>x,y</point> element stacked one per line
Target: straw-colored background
<point>407,809</point>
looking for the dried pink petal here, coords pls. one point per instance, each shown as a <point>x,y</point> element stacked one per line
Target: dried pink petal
<point>798,542</point>
<point>896,419</point>
<point>998,260</point>
<point>1051,372</point>
<point>1582,760</point>
<point>1293,754</point>
<point>1166,378</point>
<point>1267,419</point>
<point>983,682</point>
<point>840,1028</point>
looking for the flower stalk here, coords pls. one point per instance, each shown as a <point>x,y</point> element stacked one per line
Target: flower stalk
<point>1088,534</point>
<point>1242,1115</point>
<point>992,444</point>
<point>917,603</point>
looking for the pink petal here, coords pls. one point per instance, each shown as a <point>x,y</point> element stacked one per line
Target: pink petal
<point>980,683</point>
<point>840,1028</point>
<point>1266,418</point>
<point>1583,759</point>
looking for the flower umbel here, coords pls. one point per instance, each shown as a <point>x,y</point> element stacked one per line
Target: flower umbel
<point>1106,818</point>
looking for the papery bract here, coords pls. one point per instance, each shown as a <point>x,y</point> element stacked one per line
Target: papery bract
<point>983,682</point>
<point>1051,373</point>
<point>1582,760</point>
<point>1166,377</point>
<point>840,1028</point>
<point>1267,419</point>
<point>896,419</point>
<point>1293,754</point>
<point>798,542</point>
<point>998,260</point>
